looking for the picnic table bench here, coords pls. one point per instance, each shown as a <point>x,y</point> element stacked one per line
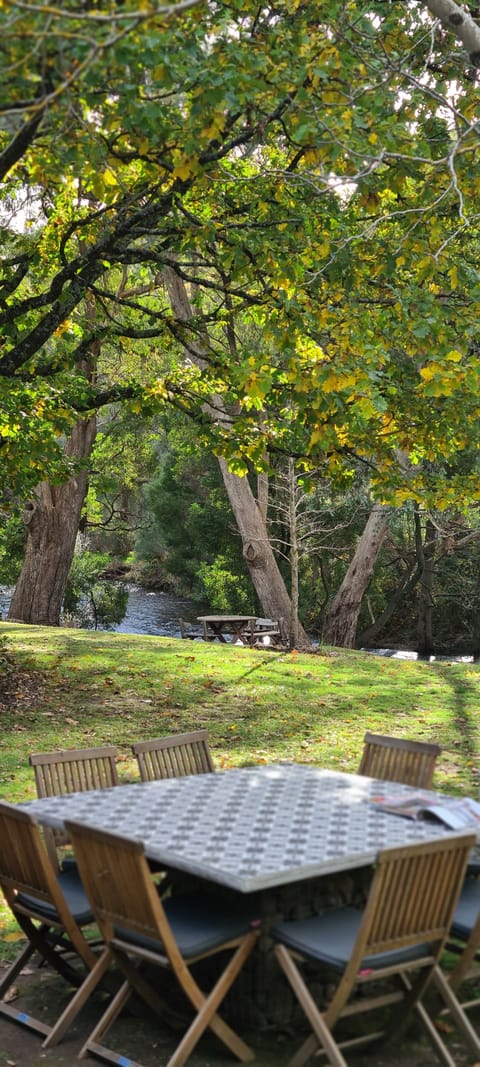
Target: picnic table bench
<point>267,633</point>
<point>244,629</point>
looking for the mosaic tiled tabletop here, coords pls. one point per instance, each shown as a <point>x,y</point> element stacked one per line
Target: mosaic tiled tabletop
<point>248,828</point>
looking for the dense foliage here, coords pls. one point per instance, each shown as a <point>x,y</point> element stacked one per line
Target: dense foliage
<point>309,169</point>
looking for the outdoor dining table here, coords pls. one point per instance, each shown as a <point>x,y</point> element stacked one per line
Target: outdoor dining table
<point>298,837</point>
<point>239,628</point>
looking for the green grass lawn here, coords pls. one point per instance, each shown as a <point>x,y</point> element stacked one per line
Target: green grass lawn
<point>77,688</point>
<point>64,688</point>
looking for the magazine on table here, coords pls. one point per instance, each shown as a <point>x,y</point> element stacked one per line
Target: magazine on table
<point>458,813</point>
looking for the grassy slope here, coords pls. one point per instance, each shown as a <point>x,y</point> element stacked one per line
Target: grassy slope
<point>80,688</point>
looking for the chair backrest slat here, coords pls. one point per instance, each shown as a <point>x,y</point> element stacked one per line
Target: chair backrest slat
<point>414,893</point>
<point>396,759</point>
<point>74,770</point>
<point>174,756</point>
<point>119,885</point>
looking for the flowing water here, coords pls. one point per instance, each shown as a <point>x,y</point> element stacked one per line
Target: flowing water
<point>147,612</point>
<point>158,613</point>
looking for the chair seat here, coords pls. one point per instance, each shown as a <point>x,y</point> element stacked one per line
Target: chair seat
<point>467,910</point>
<point>74,893</point>
<point>199,924</point>
<point>330,938</point>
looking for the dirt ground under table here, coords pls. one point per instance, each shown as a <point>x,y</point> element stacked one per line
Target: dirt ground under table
<point>143,1038</point>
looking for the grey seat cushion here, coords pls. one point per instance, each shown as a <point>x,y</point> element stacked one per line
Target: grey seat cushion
<point>74,894</point>
<point>330,938</point>
<point>467,910</point>
<point>199,924</point>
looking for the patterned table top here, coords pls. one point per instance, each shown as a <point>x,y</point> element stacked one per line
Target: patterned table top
<point>248,828</point>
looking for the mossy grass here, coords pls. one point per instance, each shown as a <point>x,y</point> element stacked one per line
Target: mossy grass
<point>65,688</point>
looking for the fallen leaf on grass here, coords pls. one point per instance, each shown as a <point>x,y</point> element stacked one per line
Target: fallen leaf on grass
<point>445,1028</point>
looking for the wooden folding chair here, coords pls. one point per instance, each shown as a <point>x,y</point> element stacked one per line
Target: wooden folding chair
<point>51,908</point>
<point>464,942</point>
<point>398,937</point>
<point>398,760</point>
<point>72,770</point>
<point>173,756</point>
<point>139,928</point>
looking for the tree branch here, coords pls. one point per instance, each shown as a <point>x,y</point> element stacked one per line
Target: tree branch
<point>458,21</point>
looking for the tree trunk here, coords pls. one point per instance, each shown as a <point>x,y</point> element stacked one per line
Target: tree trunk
<point>426,554</point>
<point>249,514</point>
<point>258,553</point>
<point>341,622</point>
<point>294,552</point>
<point>52,520</point>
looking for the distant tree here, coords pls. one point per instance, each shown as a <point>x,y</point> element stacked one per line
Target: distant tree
<point>191,531</point>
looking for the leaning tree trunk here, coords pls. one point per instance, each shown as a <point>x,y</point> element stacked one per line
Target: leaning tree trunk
<point>341,622</point>
<point>426,555</point>
<point>294,553</point>
<point>52,520</point>
<point>258,553</point>
<point>249,513</point>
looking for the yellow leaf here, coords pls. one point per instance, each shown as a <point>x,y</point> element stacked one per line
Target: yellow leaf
<point>323,249</point>
<point>109,177</point>
<point>453,275</point>
<point>215,127</point>
<point>182,170</point>
<point>431,371</point>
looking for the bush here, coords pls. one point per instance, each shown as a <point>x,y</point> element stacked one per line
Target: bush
<point>224,590</point>
<point>90,601</point>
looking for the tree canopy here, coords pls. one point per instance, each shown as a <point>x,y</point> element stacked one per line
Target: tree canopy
<point>309,170</point>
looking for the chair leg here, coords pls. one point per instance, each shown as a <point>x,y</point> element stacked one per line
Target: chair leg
<point>466,959</point>
<point>207,1007</point>
<point>104,1024</point>
<point>38,942</point>
<point>39,938</point>
<point>435,1038</point>
<point>9,1010</point>
<point>454,1007</point>
<point>321,1034</point>
<point>78,1000</point>
<point>457,1012</point>
<point>15,968</point>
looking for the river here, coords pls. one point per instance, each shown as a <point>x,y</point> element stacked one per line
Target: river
<point>147,612</point>
<point>157,613</point>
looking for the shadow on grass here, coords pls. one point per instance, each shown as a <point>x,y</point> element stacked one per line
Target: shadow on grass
<point>465,717</point>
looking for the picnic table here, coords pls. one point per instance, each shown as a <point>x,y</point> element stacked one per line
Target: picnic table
<point>236,628</point>
<point>246,629</point>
